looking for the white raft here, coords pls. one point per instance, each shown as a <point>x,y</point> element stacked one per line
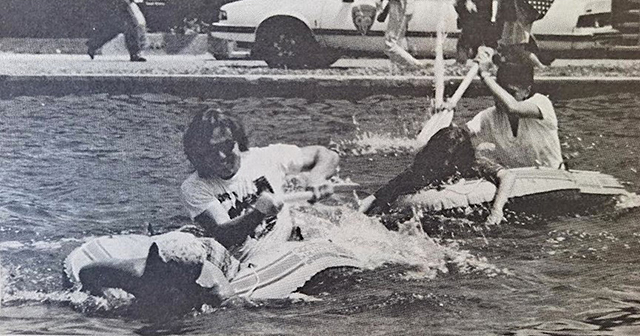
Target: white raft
<point>286,269</point>
<point>529,181</point>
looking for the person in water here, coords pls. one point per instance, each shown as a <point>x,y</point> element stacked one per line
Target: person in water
<point>235,193</point>
<point>448,155</point>
<point>521,130</point>
<point>522,126</point>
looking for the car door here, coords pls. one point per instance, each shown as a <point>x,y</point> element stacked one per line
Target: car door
<point>423,27</point>
<point>351,25</point>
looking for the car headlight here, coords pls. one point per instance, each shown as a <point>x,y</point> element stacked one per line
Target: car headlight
<point>222,15</point>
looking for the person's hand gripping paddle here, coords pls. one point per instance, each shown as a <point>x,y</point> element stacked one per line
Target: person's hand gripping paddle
<point>443,115</point>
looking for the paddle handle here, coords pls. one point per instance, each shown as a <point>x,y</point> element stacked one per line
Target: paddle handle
<point>301,196</point>
<point>453,101</point>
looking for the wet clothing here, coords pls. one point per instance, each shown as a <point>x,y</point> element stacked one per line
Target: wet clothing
<point>113,17</point>
<point>400,13</point>
<point>262,169</point>
<point>448,156</point>
<point>535,141</point>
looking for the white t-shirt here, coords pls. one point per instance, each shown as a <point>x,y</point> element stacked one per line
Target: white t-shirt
<point>260,169</point>
<point>537,139</point>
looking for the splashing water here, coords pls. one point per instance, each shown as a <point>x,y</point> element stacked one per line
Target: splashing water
<point>368,143</point>
<point>376,246</point>
<point>628,201</point>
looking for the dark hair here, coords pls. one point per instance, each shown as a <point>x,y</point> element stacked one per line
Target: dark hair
<point>449,151</point>
<point>200,131</point>
<point>515,74</point>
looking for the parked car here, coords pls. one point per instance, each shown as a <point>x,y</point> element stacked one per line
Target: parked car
<point>181,15</point>
<point>315,33</point>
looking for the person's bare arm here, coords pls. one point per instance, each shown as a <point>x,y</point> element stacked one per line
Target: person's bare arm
<point>230,232</point>
<point>319,163</point>
<point>522,109</point>
<point>506,180</point>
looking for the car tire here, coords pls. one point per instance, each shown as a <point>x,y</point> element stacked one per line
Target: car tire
<point>290,44</point>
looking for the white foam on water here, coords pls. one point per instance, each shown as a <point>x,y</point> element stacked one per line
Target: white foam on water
<point>11,245</point>
<point>628,200</point>
<point>41,245</point>
<point>367,143</point>
<point>34,245</point>
<point>375,246</point>
<point>78,300</point>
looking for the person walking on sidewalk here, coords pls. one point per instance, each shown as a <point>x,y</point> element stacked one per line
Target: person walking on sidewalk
<point>400,13</point>
<point>119,16</point>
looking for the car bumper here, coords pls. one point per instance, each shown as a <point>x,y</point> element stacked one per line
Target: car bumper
<point>577,42</point>
<point>234,33</point>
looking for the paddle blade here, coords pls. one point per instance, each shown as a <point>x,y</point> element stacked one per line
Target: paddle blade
<point>437,122</point>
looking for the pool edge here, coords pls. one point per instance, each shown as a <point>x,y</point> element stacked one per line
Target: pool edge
<point>304,86</point>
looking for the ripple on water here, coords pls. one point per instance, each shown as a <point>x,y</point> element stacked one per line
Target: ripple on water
<point>81,166</point>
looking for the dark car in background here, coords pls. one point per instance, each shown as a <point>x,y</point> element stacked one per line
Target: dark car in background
<point>181,15</point>
<point>72,18</point>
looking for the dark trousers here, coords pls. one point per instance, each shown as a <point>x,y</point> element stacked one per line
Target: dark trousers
<point>109,25</point>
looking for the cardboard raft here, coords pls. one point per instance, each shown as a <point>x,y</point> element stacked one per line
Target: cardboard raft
<point>529,181</point>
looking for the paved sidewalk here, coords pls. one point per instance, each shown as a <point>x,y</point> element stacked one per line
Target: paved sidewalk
<point>203,76</point>
<point>65,64</point>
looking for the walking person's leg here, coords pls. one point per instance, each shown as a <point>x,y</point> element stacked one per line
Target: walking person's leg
<point>101,33</point>
<point>135,33</point>
<point>395,35</point>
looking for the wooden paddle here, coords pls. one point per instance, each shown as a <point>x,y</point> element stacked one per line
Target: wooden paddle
<point>444,115</point>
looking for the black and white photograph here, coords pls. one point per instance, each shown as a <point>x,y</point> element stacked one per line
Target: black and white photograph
<point>320,167</point>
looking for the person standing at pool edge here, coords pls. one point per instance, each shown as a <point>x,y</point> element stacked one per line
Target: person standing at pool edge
<point>522,126</point>
<point>235,194</point>
<point>400,13</point>
<point>113,17</point>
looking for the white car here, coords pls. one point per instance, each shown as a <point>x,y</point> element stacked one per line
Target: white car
<point>315,33</point>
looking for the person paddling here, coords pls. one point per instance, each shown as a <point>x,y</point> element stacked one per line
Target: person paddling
<point>235,194</point>
<point>449,155</point>
<point>522,126</point>
<point>521,130</point>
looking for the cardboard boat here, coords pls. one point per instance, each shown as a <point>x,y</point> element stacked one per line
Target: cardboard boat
<point>530,183</point>
<point>119,262</point>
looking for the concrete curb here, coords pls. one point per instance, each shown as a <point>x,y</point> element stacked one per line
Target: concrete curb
<point>310,87</point>
<point>158,44</point>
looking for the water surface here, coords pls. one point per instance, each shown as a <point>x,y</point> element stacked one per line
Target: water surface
<point>77,167</point>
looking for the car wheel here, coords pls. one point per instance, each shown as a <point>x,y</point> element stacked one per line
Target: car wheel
<point>291,45</point>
